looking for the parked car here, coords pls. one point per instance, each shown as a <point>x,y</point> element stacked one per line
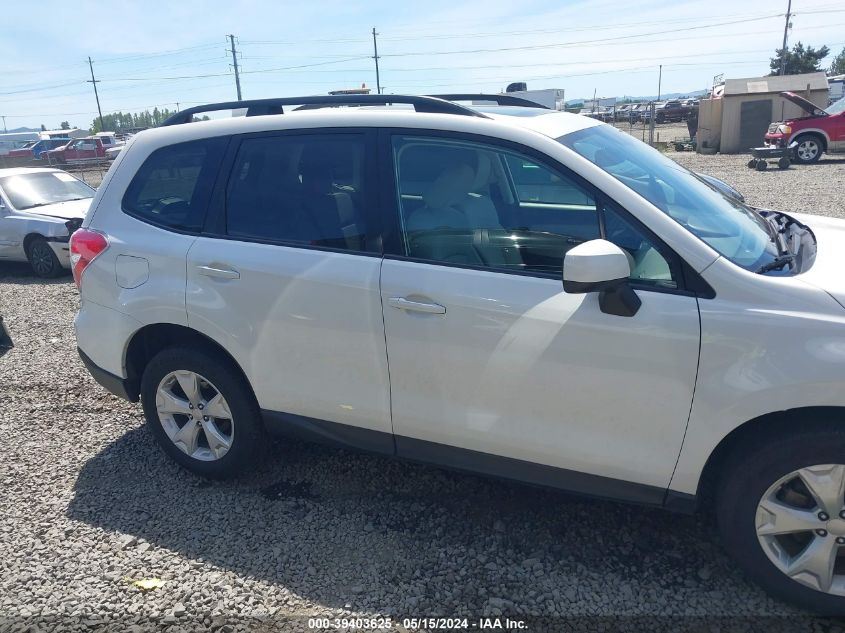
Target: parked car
<point>81,150</point>
<point>561,304</point>
<point>36,149</point>
<point>112,152</point>
<point>39,209</point>
<point>823,130</point>
<point>667,112</point>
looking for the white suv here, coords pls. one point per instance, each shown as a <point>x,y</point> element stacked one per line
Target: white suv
<point>390,279</point>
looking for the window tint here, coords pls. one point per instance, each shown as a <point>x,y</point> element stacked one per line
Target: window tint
<point>299,188</point>
<point>173,186</point>
<point>471,204</point>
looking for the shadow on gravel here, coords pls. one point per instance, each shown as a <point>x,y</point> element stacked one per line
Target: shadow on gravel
<point>338,528</point>
<point>21,273</point>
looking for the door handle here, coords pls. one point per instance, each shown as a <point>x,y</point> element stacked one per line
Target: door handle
<point>220,273</point>
<point>401,303</point>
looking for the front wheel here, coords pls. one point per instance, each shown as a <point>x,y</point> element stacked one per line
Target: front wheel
<point>202,412</point>
<point>42,259</point>
<point>808,150</point>
<point>781,514</point>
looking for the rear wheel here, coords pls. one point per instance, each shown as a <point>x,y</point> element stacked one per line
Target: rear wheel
<point>201,412</point>
<point>42,259</point>
<point>781,514</point>
<point>762,165</point>
<point>809,149</point>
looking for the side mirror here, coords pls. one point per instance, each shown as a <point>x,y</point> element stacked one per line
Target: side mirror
<point>601,266</point>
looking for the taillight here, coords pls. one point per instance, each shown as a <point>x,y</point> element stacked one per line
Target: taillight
<point>85,245</point>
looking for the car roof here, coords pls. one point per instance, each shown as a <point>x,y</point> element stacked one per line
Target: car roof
<point>17,171</point>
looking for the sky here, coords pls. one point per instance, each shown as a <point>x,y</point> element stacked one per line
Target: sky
<point>164,53</point>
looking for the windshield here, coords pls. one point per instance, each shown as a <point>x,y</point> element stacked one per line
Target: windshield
<point>26,191</point>
<point>836,107</point>
<point>728,226</point>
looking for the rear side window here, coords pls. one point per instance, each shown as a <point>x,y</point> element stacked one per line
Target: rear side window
<point>307,189</point>
<point>173,186</point>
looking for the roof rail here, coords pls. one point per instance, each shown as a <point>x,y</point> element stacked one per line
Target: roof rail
<point>498,99</point>
<point>258,107</point>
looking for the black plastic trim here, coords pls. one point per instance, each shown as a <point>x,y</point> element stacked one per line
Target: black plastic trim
<point>325,432</point>
<point>465,460</point>
<point>680,502</point>
<point>114,384</point>
<point>528,472</point>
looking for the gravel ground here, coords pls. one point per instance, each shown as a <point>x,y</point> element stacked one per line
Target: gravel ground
<point>89,504</point>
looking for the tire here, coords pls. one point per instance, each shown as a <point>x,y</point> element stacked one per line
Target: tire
<point>784,162</point>
<point>42,259</point>
<point>749,476</point>
<point>810,148</point>
<point>238,420</point>
<point>762,165</point>
<point>752,163</point>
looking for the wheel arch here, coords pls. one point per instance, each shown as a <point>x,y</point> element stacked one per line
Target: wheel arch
<point>775,424</point>
<point>822,136</point>
<point>151,339</point>
<point>29,238</point>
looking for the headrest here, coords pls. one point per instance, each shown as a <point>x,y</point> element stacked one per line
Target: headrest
<point>450,187</point>
<point>482,174</point>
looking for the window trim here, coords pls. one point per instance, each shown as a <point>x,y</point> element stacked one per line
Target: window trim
<point>215,225</point>
<point>392,236</point>
<point>217,154</point>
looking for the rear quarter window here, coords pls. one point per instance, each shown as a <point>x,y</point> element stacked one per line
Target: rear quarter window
<point>173,186</point>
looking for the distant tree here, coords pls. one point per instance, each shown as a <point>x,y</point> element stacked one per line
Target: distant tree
<point>799,59</point>
<point>65,125</point>
<point>43,128</point>
<point>838,65</point>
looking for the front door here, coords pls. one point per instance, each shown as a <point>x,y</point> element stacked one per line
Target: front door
<point>287,274</point>
<point>488,355</point>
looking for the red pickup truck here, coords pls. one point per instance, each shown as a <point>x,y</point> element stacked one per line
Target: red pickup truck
<point>80,150</point>
<point>819,132</point>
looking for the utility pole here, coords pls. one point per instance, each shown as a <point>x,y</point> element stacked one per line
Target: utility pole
<point>96,96</point>
<point>785,32</point>
<point>235,63</point>
<point>659,82</point>
<point>653,113</point>
<point>375,57</point>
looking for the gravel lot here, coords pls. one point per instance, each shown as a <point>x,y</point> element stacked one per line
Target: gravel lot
<point>89,504</point>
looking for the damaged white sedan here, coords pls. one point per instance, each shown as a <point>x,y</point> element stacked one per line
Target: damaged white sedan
<point>39,209</point>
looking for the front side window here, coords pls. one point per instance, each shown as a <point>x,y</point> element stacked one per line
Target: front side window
<point>306,189</point>
<point>467,203</point>
<point>727,225</point>
<point>38,189</point>
<point>173,186</point>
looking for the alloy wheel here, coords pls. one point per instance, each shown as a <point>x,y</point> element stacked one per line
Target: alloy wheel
<point>195,415</point>
<point>800,525</point>
<point>41,258</point>
<point>808,150</point>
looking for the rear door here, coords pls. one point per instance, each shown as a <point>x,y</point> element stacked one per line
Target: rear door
<point>286,276</point>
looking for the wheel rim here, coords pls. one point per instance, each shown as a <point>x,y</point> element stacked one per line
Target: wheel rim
<point>195,415</point>
<point>40,259</point>
<point>808,150</point>
<point>800,524</point>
